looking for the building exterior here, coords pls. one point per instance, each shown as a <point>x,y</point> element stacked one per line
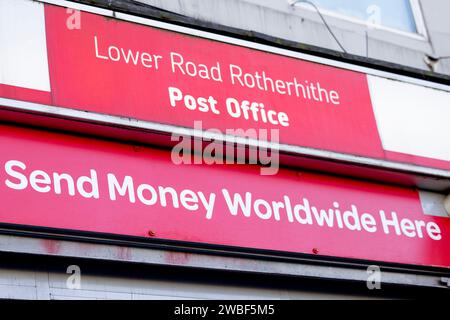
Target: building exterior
<point>102,102</point>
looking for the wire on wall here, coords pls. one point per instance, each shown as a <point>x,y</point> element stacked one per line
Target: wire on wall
<point>293,3</point>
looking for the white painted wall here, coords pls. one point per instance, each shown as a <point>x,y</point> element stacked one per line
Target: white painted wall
<point>23,54</point>
<point>412,119</point>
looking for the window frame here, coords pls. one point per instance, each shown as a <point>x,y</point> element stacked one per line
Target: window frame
<point>417,15</point>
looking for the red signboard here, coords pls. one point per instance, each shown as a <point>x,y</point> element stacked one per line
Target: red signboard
<point>66,182</point>
<point>137,71</point>
<point>132,70</point>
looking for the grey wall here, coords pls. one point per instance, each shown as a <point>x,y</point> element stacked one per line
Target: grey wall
<point>277,18</point>
<point>36,268</point>
<point>51,285</point>
<point>35,277</point>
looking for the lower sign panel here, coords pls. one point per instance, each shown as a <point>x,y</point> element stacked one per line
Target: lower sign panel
<point>66,182</point>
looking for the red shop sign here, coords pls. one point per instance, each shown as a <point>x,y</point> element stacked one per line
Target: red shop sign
<point>67,182</point>
<point>129,70</point>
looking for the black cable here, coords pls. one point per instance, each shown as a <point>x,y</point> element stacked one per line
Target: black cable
<point>323,20</point>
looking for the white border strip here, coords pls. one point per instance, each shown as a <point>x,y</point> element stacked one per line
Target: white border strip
<point>23,53</point>
<point>79,115</point>
<point>411,119</point>
<point>244,43</point>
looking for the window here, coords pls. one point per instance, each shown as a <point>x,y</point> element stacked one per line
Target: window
<point>402,15</point>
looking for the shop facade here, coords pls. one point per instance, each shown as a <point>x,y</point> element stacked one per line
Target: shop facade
<point>149,154</point>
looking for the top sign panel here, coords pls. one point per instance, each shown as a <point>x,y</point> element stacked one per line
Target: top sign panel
<point>126,69</point>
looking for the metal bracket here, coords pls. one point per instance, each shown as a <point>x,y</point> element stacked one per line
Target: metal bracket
<point>446,281</point>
